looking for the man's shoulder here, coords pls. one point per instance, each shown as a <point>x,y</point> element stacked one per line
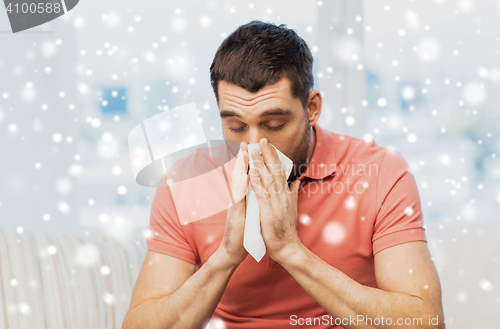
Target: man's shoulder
<point>365,152</point>
<point>350,149</point>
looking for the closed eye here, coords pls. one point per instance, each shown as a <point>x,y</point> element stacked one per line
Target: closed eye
<point>277,127</point>
<point>237,130</point>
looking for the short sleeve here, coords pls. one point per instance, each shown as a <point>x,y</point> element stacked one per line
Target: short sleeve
<point>166,233</point>
<point>399,216</point>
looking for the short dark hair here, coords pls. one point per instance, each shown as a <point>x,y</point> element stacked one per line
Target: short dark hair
<point>258,54</point>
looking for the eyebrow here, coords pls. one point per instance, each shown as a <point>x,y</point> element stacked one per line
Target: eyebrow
<point>276,111</point>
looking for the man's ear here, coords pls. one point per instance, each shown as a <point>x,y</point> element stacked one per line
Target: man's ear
<point>314,106</point>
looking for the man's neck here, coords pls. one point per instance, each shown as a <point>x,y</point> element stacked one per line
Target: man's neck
<point>312,145</point>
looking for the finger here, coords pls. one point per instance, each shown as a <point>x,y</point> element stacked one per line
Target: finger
<point>240,165</point>
<point>266,178</point>
<point>241,190</point>
<point>240,178</point>
<point>244,146</point>
<point>273,162</point>
<point>239,194</point>
<point>294,190</point>
<point>262,195</point>
<point>246,156</point>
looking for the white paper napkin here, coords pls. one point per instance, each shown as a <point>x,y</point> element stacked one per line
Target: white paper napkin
<point>252,239</point>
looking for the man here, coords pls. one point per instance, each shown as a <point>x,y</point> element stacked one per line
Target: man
<point>345,242</point>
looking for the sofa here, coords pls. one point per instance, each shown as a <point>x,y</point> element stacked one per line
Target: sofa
<point>67,279</point>
<point>84,278</point>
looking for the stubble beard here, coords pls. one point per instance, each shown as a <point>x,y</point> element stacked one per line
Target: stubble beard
<point>299,158</point>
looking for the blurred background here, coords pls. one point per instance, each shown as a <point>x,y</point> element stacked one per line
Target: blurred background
<point>422,77</point>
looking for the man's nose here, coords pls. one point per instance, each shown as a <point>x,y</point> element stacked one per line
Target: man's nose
<point>253,136</point>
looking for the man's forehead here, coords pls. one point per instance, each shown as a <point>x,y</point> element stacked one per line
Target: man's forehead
<point>230,91</point>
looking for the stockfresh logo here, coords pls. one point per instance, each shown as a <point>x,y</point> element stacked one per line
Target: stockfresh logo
<point>24,15</point>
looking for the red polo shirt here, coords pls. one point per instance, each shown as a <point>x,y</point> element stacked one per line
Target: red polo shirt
<point>356,199</point>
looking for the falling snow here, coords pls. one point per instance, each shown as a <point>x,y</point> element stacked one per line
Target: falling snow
<point>425,85</point>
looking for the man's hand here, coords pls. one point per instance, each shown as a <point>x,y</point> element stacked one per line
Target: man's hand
<point>166,287</point>
<point>231,250</point>
<point>277,201</point>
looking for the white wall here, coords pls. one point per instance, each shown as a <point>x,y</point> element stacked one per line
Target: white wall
<point>27,193</point>
<point>186,36</point>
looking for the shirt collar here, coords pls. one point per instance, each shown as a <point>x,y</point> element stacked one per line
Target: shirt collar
<point>323,162</point>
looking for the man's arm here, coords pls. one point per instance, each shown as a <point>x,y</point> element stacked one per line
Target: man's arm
<point>409,287</point>
<point>166,288</point>
<point>408,282</point>
<point>170,293</point>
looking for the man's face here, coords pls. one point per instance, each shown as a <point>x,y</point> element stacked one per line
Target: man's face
<point>272,113</point>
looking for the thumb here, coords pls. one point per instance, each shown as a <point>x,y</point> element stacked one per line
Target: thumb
<point>294,189</point>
